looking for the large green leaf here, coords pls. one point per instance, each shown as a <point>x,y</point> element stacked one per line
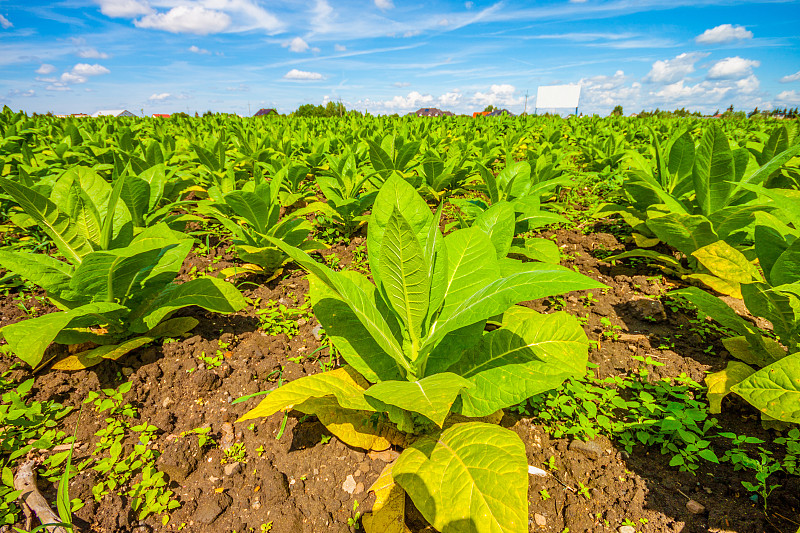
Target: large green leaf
<point>362,305</point>
<point>84,215</point>
<point>135,193</point>
<point>532,354</point>
<point>30,338</point>
<point>472,477</point>
<point>538,280</point>
<point>718,310</point>
<point>538,249</point>
<point>404,273</point>
<point>251,207</point>
<point>762,301</point>
<point>350,337</point>
<point>432,396</point>
<point>398,194</point>
<point>498,223</point>
<point>681,156</point>
<point>345,384</point>
<point>687,233</point>
<point>775,390</point>
<point>209,293</point>
<point>50,274</point>
<point>713,171</point>
<point>53,221</point>
<point>471,265</point>
<point>786,268</point>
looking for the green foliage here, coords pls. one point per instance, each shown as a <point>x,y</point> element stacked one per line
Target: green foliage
<point>415,344</point>
<point>133,474</point>
<point>27,425</point>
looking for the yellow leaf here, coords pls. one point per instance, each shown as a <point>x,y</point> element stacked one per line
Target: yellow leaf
<point>718,284</point>
<point>350,426</point>
<point>645,242</point>
<point>726,262</point>
<point>720,383</point>
<point>89,358</point>
<point>389,510</point>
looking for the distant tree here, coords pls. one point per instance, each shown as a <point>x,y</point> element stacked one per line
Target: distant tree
<point>489,108</point>
<point>753,113</point>
<point>617,112</point>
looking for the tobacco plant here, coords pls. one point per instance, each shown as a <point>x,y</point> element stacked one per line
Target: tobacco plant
<point>767,374</point>
<point>253,216</point>
<point>424,373</point>
<point>693,196</point>
<point>114,292</point>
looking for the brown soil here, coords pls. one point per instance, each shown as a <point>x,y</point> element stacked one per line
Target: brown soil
<point>296,481</point>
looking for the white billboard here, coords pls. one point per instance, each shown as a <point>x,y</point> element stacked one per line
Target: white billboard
<point>558,96</point>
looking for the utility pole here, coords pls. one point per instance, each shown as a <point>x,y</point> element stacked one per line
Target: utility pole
<point>248,109</point>
<point>525,111</point>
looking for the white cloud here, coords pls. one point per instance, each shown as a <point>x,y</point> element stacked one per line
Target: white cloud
<point>607,91</point>
<point>577,1</point>
<point>187,19</point>
<point>159,96</point>
<point>401,84</point>
<point>340,48</point>
<point>443,22</point>
<point>57,87</point>
<point>469,5</point>
<point>80,74</point>
<point>414,99</point>
<point>672,70</point>
<point>791,77</point>
<point>384,4</point>
<point>724,33</point>
<point>732,68</point>
<point>124,8</point>
<point>197,50</point>
<point>411,33</point>
<point>5,23</point>
<point>69,77</point>
<point>84,69</point>
<point>498,95</point>
<point>295,74</point>
<point>450,99</point>
<point>296,45</point>
<point>17,93</point>
<point>789,97</point>
<point>45,68</point>
<point>92,53</point>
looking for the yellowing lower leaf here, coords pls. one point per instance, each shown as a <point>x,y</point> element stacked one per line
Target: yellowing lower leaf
<point>94,356</point>
<point>350,426</point>
<point>726,262</point>
<point>471,477</point>
<point>345,384</point>
<point>720,285</point>
<point>645,242</point>
<point>720,383</point>
<point>389,509</point>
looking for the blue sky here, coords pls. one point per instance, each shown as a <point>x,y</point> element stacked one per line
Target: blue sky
<point>389,56</point>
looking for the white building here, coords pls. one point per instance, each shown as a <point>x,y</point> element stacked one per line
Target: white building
<point>113,113</point>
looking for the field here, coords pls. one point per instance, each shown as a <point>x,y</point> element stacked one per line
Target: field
<point>384,324</point>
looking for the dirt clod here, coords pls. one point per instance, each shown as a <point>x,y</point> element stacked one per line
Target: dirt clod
<point>695,507</point>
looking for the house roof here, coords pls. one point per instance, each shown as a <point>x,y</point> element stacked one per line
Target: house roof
<point>113,113</point>
<point>499,112</point>
<point>429,112</point>
<point>262,112</point>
